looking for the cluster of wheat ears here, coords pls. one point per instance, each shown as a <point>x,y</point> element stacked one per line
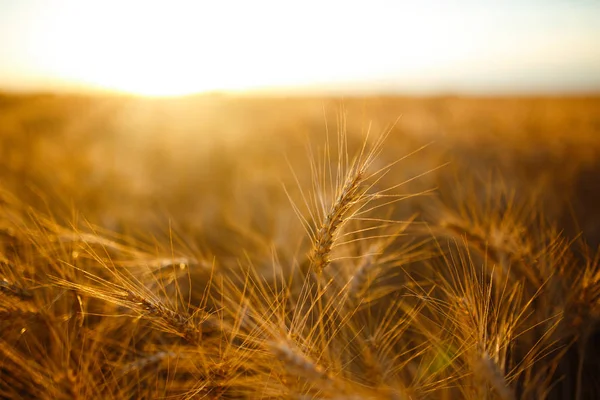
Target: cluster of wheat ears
<point>474,300</point>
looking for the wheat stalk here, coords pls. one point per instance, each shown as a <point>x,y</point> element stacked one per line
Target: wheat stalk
<point>338,213</point>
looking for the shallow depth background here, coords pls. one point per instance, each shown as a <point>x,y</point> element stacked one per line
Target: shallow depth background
<point>131,165</point>
<point>163,187</point>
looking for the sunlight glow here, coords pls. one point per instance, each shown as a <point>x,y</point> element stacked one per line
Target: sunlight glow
<point>170,48</point>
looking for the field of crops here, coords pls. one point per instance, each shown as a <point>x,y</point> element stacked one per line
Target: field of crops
<point>296,248</point>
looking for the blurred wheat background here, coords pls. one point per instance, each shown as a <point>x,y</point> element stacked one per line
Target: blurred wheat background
<point>268,258</point>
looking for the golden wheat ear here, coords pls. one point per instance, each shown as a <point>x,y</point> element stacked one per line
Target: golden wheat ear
<point>345,188</point>
<point>190,324</point>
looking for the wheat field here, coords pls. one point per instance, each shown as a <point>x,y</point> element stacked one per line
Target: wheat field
<point>223,247</point>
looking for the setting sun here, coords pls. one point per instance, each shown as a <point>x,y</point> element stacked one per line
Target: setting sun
<point>180,47</point>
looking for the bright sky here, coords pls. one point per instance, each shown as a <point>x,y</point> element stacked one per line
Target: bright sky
<point>179,47</point>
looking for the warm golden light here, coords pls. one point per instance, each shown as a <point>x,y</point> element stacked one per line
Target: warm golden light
<point>177,47</point>
<point>136,48</point>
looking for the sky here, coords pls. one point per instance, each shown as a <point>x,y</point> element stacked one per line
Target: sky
<point>182,47</point>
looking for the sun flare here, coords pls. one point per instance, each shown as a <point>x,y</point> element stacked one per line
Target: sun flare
<point>147,51</point>
<point>178,47</point>
<point>164,49</point>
